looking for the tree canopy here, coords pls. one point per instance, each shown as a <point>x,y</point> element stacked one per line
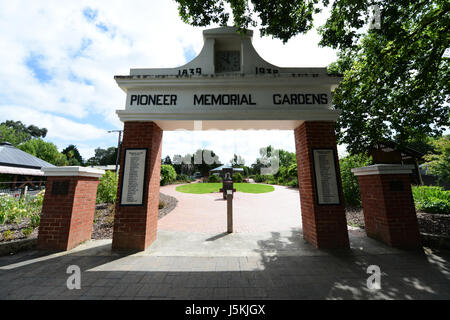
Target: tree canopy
<point>15,132</point>
<point>103,157</point>
<point>395,73</point>
<point>46,151</point>
<point>73,156</point>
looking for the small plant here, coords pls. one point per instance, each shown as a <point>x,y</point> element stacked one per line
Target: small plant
<point>213,178</point>
<point>107,189</point>
<point>237,177</point>
<point>8,235</point>
<point>27,231</point>
<point>35,220</point>
<point>431,199</point>
<point>161,204</point>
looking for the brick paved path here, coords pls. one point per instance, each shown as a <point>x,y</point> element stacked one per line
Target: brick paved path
<point>273,211</point>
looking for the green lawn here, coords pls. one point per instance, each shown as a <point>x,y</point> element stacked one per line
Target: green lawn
<point>199,188</point>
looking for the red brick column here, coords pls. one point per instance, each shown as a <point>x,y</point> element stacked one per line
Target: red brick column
<point>69,207</point>
<point>135,226</point>
<point>324,226</point>
<point>388,205</point>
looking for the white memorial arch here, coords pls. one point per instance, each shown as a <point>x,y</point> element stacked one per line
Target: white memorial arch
<point>228,86</point>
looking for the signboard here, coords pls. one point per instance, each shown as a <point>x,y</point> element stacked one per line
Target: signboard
<point>132,191</point>
<point>327,189</point>
<point>231,97</point>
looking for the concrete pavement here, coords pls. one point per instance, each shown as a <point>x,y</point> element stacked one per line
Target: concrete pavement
<point>265,265</point>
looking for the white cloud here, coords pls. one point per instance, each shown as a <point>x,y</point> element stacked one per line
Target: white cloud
<point>78,104</point>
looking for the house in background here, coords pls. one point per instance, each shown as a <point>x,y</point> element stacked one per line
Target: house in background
<point>19,168</point>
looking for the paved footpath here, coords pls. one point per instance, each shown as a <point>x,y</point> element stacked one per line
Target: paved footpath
<point>273,211</point>
<point>258,265</point>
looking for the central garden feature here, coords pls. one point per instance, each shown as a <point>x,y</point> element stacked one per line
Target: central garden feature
<point>200,188</point>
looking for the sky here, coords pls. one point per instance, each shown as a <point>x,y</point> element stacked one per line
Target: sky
<point>59,58</point>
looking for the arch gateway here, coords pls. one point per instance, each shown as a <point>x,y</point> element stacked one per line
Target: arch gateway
<point>227,86</point>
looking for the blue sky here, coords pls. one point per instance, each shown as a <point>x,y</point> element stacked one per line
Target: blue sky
<point>59,59</point>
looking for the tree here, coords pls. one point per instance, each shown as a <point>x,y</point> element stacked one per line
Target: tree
<point>46,151</point>
<point>15,132</point>
<point>395,75</point>
<point>103,157</point>
<point>167,160</point>
<point>439,163</point>
<point>281,19</point>
<point>237,161</point>
<point>73,155</point>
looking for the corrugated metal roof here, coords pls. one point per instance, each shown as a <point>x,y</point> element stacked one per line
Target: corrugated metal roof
<point>226,166</point>
<point>13,157</point>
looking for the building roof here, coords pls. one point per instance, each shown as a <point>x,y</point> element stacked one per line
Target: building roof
<point>225,166</point>
<point>11,157</point>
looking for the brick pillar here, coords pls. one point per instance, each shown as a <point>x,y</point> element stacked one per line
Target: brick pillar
<point>388,205</point>
<point>135,226</point>
<point>324,226</point>
<point>69,207</point>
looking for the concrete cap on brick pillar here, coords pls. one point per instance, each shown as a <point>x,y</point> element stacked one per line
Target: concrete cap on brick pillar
<point>377,169</point>
<point>72,171</point>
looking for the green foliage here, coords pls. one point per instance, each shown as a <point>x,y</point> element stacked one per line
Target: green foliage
<point>73,155</point>
<point>27,231</point>
<point>431,199</point>
<point>15,209</point>
<point>281,19</point>
<point>395,79</point>
<point>438,164</point>
<point>15,132</point>
<point>350,186</point>
<point>46,151</point>
<point>237,177</point>
<point>168,174</point>
<point>214,178</point>
<point>103,157</point>
<point>107,189</point>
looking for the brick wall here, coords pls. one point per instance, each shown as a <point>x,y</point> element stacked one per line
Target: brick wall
<point>67,219</point>
<point>135,226</point>
<point>324,226</point>
<point>389,212</point>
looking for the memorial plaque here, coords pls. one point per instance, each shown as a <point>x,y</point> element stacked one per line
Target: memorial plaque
<point>327,189</point>
<point>133,177</point>
<point>60,188</point>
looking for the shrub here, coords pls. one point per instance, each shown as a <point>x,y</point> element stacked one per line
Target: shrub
<point>350,186</point>
<point>293,183</point>
<point>161,204</point>
<point>237,177</point>
<point>107,189</point>
<point>259,178</point>
<point>168,174</point>
<point>214,178</point>
<point>182,177</point>
<point>431,199</point>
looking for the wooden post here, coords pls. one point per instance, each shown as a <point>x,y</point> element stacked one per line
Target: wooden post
<point>230,211</point>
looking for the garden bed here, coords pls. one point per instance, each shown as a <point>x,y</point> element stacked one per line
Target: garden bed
<point>429,223</point>
<point>103,223</point>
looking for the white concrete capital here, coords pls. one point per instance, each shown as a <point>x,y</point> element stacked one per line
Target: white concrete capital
<point>72,171</point>
<point>383,169</point>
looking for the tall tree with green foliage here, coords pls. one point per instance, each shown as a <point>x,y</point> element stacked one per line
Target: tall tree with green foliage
<point>103,157</point>
<point>438,163</point>
<point>395,71</point>
<point>73,155</point>
<point>15,132</point>
<point>46,151</point>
